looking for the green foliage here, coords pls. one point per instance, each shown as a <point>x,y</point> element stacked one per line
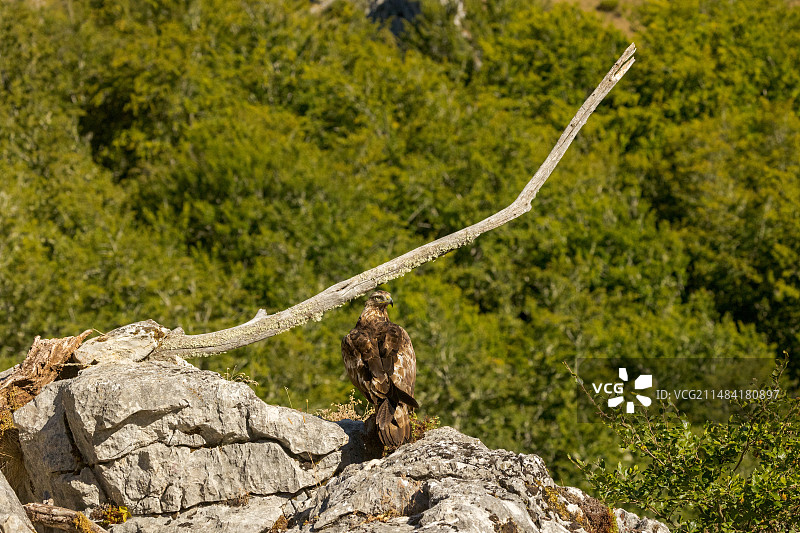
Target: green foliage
<point>194,161</point>
<point>738,476</point>
<point>712,147</point>
<point>723,56</point>
<point>539,61</point>
<point>420,426</point>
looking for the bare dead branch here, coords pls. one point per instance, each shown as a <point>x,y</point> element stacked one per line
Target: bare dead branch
<point>264,325</point>
<point>60,518</point>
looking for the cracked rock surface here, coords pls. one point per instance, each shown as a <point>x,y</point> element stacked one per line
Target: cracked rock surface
<point>255,516</point>
<point>451,482</point>
<point>12,515</point>
<point>161,438</point>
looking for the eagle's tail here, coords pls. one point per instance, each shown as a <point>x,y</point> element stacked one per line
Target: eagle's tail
<point>394,425</point>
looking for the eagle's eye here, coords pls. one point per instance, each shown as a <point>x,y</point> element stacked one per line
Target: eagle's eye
<point>381,298</point>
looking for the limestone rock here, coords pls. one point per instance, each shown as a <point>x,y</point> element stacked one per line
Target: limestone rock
<point>132,342</point>
<point>356,451</point>
<point>165,479</point>
<point>115,409</point>
<point>255,515</point>
<point>631,522</point>
<point>55,466</point>
<point>450,482</point>
<point>12,515</point>
<point>161,438</point>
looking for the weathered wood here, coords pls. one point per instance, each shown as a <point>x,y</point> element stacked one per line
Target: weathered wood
<point>61,518</point>
<point>41,366</point>
<point>264,325</point>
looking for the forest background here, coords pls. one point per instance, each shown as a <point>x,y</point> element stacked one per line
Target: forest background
<point>192,161</point>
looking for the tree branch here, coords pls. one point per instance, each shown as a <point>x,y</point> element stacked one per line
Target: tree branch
<point>264,325</point>
<point>41,366</point>
<point>61,518</point>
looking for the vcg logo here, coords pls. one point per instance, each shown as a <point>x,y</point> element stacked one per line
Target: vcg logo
<point>645,381</point>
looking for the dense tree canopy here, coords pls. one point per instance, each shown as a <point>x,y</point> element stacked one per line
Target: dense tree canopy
<point>193,161</point>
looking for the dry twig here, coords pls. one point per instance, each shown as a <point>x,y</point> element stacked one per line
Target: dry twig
<point>41,366</point>
<point>61,518</point>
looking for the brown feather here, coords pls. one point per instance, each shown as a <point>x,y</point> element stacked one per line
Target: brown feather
<point>381,363</point>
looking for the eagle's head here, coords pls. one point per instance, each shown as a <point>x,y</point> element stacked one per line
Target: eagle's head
<point>380,299</point>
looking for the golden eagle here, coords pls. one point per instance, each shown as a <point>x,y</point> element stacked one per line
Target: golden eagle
<point>380,362</point>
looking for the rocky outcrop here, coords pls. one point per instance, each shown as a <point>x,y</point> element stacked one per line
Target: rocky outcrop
<point>247,515</point>
<point>12,515</point>
<point>449,482</point>
<point>186,450</point>
<point>160,438</point>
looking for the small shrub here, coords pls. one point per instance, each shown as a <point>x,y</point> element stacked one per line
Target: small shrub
<point>108,514</point>
<point>280,525</point>
<point>382,517</point>
<point>420,426</point>
<point>352,410</point>
<point>241,377</point>
<point>238,501</point>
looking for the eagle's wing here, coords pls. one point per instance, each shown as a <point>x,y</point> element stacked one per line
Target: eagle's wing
<point>398,358</point>
<point>356,350</point>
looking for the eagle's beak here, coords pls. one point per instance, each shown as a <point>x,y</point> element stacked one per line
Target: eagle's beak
<point>391,302</point>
